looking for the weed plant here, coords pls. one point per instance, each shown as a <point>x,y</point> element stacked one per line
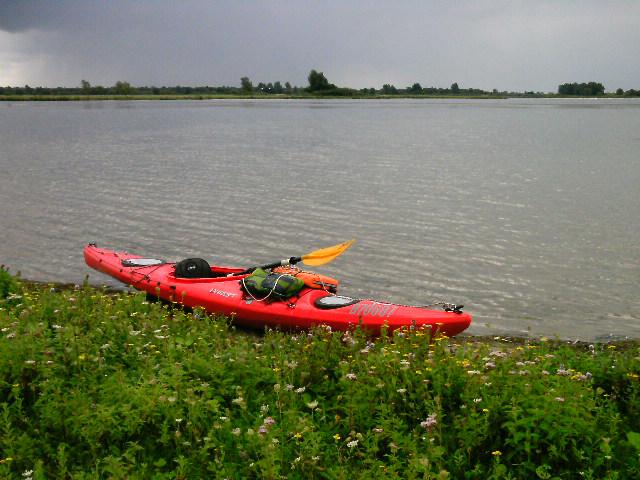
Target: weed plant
<point>97,385</point>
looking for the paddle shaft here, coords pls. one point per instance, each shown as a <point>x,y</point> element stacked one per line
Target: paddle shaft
<point>281,263</point>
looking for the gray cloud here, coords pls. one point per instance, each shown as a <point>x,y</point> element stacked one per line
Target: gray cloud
<point>486,44</point>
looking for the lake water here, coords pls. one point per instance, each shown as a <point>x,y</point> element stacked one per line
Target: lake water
<point>525,211</point>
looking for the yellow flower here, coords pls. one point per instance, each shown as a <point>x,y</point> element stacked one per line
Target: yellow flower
<point>336,437</point>
<point>496,453</point>
<point>486,410</point>
<point>297,435</point>
<point>82,357</point>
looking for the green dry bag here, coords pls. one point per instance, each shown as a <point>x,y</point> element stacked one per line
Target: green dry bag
<point>263,285</point>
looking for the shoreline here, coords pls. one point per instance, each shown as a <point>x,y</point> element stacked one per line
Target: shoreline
<point>467,338</point>
<point>143,97</point>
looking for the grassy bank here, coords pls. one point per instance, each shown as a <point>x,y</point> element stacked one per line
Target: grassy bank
<point>109,385</point>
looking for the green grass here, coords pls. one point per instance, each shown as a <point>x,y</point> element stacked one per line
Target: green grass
<point>109,385</point>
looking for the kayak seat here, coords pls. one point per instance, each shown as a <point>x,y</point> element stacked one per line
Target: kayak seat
<point>194,268</point>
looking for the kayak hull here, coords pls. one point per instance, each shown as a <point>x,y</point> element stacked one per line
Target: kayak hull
<point>224,295</point>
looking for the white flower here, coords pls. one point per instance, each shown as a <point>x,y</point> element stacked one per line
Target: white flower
<point>430,422</point>
<point>351,376</point>
<point>352,444</point>
<point>300,390</point>
<point>477,400</point>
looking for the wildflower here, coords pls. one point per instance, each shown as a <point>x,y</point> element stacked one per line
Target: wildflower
<point>269,421</point>
<point>30,362</point>
<point>496,453</point>
<point>352,444</point>
<point>473,372</point>
<point>312,405</point>
<point>430,422</point>
<point>485,410</point>
<point>178,420</point>
<point>27,473</point>
<point>288,387</point>
<point>351,376</point>
<point>336,437</point>
<point>378,430</point>
<point>292,364</point>
<point>264,409</point>
<point>297,435</point>
<point>477,400</point>
<point>11,335</point>
<point>497,353</point>
<point>82,357</point>
<point>489,365</point>
<point>300,390</point>
<point>276,387</point>
<point>401,390</point>
<point>262,430</point>
<point>559,399</point>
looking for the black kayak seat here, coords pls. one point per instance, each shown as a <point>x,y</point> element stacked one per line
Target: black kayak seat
<point>194,268</point>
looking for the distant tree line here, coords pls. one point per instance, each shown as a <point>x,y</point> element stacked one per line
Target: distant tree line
<point>318,84</point>
<point>120,88</point>
<point>590,89</point>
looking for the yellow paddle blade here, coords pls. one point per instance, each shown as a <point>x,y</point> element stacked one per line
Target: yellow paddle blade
<point>325,255</point>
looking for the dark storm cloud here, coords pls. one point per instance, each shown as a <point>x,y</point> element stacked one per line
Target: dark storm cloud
<point>518,45</point>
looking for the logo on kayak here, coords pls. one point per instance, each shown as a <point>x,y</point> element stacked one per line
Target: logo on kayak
<point>222,293</point>
<point>375,309</point>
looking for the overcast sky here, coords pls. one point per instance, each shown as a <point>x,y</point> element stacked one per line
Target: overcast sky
<point>513,45</point>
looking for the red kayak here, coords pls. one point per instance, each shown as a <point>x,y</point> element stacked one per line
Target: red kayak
<point>219,290</point>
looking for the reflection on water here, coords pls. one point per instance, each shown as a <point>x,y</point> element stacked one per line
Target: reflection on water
<point>525,211</point>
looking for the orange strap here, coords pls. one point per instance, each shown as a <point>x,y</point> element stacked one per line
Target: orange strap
<point>310,279</point>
